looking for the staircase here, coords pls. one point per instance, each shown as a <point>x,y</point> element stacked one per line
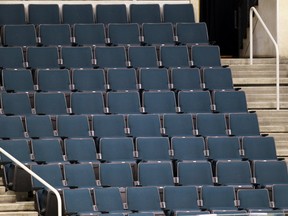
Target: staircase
<point>259,83</point>
<point>9,206</point>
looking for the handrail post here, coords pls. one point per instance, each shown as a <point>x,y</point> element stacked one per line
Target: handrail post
<point>59,202</point>
<point>253,10</point>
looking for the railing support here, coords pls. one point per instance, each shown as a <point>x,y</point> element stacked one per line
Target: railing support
<point>253,10</point>
<point>59,202</point>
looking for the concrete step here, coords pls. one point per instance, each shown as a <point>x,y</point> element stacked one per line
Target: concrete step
<point>246,61</point>
<point>17,206</point>
<point>7,198</point>
<point>281,144</point>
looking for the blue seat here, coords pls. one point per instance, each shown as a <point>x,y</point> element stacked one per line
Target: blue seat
<point>144,199</point>
<point>154,79</point>
<point>11,127</point>
<point>196,173</point>
<point>111,57</point>
<point>42,57</point>
<point>192,33</point>
<point>19,80</point>
<point>124,34</point>
<point>127,102</point>
<point>159,102</point>
<point>43,14</point>
<point>79,201</point>
<point>180,200</point>
<point>16,103</point>
<point>109,126</point>
<point>206,56</point>
<point>158,33</point>
<point>77,13</point>
<point>111,13</point>
<point>188,148</point>
<point>178,125</point>
<point>208,124</point>
<point>122,79</point>
<point>145,13</point>
<point>244,124</point>
<point>87,103</point>
<point>217,78</point>
<point>55,35</point>
<point>19,35</point>
<point>144,125</point>
<point>153,148</point>
<point>230,101</point>
<point>195,101</point>
<point>114,205</point>
<point>156,173</point>
<point>80,175</point>
<point>116,175</point>
<point>47,151</point>
<point>186,79</point>
<point>53,80</point>
<point>174,56</point>
<point>11,57</point>
<point>224,148</point>
<point>178,13</point>
<point>77,57</point>
<point>12,14</point>
<point>279,196</point>
<point>88,79</point>
<point>234,173</point>
<point>39,126</point>
<point>89,34</point>
<point>143,56</point>
<point>120,149</point>
<point>81,150</point>
<point>73,126</point>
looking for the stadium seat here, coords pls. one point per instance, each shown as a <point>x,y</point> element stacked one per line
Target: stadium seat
<point>47,151</point>
<point>158,34</point>
<point>144,125</point>
<point>154,79</point>
<point>86,34</point>
<point>111,57</point>
<point>73,126</point>
<point>50,103</point>
<point>53,80</point>
<point>158,174</point>
<point>88,79</point>
<point>178,13</point>
<point>80,150</point>
<point>16,103</point>
<point>120,149</point>
<point>234,173</point>
<point>122,79</point>
<point>87,103</point>
<point>17,80</point>
<point>55,35</point>
<point>42,57</point>
<point>244,124</point>
<point>178,125</point>
<point>77,13</point>
<point>19,35</point>
<point>12,14</point>
<point>192,33</point>
<point>195,173</point>
<point>224,148</point>
<point>153,148</point>
<point>39,126</point>
<point>109,126</point>
<point>174,56</point>
<point>116,175</point>
<point>111,13</point>
<point>11,57</point>
<point>43,14</point>
<point>186,79</point>
<point>77,57</point>
<point>188,148</point>
<point>126,34</point>
<point>206,56</point>
<point>143,56</point>
<point>145,13</point>
<point>195,101</point>
<point>11,127</point>
<point>279,196</point>
<point>208,124</point>
<point>217,78</point>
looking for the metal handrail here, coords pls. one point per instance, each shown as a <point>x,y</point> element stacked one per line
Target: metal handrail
<point>253,10</point>
<point>59,202</point>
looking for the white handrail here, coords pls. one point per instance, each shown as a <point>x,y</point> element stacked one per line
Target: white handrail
<point>253,9</point>
<point>36,177</point>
